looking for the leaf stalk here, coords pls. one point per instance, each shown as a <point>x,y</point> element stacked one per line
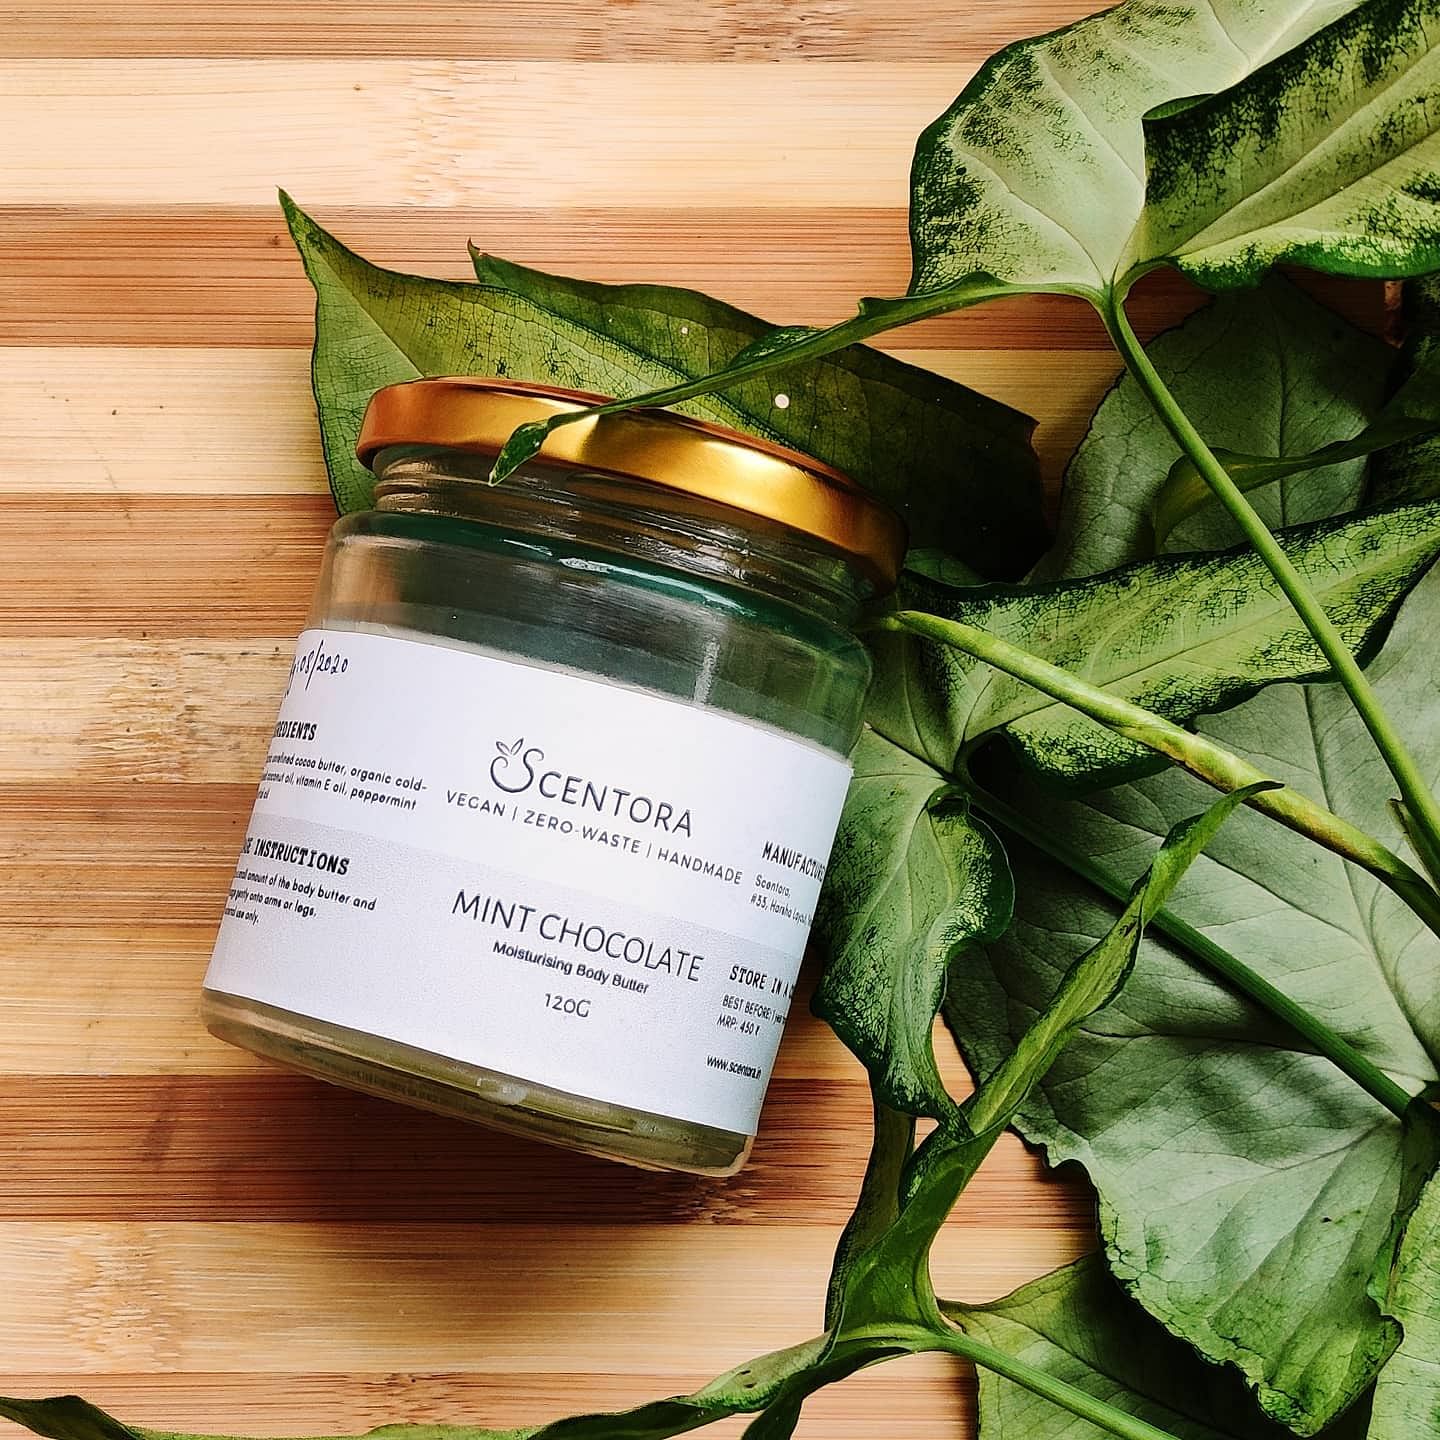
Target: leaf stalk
<point>1201,756</point>
<point>873,318</point>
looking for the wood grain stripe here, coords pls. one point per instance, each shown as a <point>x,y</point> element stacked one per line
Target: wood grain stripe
<point>138,859</point>
<point>91,711</point>
<point>272,1298</point>
<point>115,997</point>
<point>197,275</point>
<point>160,566</point>
<point>120,888</point>
<point>84,430</point>
<point>120,420</point>
<point>920,1399</point>
<point>108,991</point>
<point>258,1298</point>
<point>669,30</point>
<point>466,132</point>
<point>169,1147</point>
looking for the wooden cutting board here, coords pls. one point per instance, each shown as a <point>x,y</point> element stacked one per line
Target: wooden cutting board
<point>188,1236</point>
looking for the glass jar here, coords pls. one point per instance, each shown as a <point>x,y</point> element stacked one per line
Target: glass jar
<point>547,809</point>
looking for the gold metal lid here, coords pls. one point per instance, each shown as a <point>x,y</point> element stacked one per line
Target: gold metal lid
<point>690,457</point>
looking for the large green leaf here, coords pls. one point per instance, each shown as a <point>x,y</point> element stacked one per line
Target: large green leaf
<point>1248,1190</point>
<point>1327,157</point>
<point>1408,419</point>
<point>1093,981</point>
<point>1035,175</point>
<point>1181,636</point>
<point>1311,138</point>
<point>956,464</point>
<point>1407,1396</point>
<point>1270,372</point>
<point>914,876</point>
<point>1077,1325</point>
<point>891,1276</point>
<point>881,1277</point>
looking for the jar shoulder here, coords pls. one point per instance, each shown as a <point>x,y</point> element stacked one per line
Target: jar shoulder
<point>630,619</point>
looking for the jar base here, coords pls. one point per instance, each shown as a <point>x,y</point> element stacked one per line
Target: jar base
<point>469,1092</point>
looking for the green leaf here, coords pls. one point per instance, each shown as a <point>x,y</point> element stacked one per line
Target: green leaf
<point>1412,471</point>
<point>891,1277</point>
<point>774,1385</point>
<point>914,876</point>
<point>1221,136</point>
<point>1328,157</point>
<point>878,1205</point>
<point>1094,980</point>
<point>1247,1188</point>
<point>843,1357</point>
<point>1035,175</point>
<point>1267,372</point>
<point>1077,1325</point>
<point>1181,636</point>
<point>782,348</point>
<point>1186,490</point>
<point>1407,1395</point>
<point>958,465</point>
<point>66,1417</point>
<point>1410,415</point>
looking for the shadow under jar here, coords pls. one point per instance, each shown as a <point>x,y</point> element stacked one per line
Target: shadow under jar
<point>546,812</point>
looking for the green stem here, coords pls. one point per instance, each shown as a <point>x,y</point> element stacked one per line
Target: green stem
<point>1413,790</point>
<point>1335,1048</point>
<point>872,320</point>
<point>1058,1392</point>
<point>878,1206</point>
<point>1200,755</point>
<point>875,316</point>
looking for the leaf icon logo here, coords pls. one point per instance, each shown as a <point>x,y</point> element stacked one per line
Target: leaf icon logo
<point>501,774</point>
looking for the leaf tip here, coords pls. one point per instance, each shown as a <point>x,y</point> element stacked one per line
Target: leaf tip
<point>524,444</point>
<point>291,211</point>
<point>302,228</point>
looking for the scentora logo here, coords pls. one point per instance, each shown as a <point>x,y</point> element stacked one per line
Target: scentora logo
<point>501,775</point>
<point>517,769</point>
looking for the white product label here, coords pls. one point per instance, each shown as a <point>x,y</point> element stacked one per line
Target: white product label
<point>577,884</point>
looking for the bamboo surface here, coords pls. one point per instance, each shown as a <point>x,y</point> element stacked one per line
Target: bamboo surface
<point>187,1235</point>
